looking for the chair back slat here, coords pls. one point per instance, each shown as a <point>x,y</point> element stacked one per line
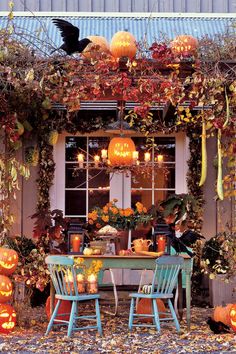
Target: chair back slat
<point>166,274</point>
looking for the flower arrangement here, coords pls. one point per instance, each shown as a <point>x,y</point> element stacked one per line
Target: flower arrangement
<point>94,268</point>
<point>219,255</point>
<point>120,219</point>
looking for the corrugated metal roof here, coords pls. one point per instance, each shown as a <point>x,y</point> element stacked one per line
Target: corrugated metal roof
<point>42,33</point>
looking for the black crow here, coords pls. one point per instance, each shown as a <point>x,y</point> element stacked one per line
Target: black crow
<point>70,36</point>
<point>189,237</point>
<point>217,327</point>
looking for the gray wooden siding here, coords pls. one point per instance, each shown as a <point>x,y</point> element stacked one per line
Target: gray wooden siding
<point>210,6</point>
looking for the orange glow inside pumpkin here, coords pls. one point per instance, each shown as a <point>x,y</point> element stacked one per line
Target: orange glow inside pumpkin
<point>5,288</point>
<point>7,318</point>
<point>8,261</point>
<point>120,151</point>
<point>232,315</point>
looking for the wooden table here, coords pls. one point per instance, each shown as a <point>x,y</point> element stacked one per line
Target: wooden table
<point>145,263</point>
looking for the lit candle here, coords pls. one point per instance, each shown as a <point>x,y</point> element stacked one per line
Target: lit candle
<point>104,154</point>
<point>75,243</point>
<point>161,246</point>
<point>160,159</point>
<point>80,160</point>
<point>96,160</point>
<point>147,156</point>
<point>92,284</point>
<point>80,283</point>
<point>137,162</point>
<point>135,156</point>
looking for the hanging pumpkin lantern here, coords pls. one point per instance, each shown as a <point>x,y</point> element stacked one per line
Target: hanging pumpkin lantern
<point>7,318</point>
<point>222,314</point>
<point>144,307</point>
<point>184,45</point>
<point>8,261</point>
<point>123,44</point>
<point>120,151</point>
<point>232,316</point>
<point>5,288</point>
<point>65,307</point>
<point>99,44</point>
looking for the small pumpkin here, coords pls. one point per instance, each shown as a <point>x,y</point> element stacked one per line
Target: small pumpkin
<point>7,318</point>
<point>144,307</point>
<point>120,151</point>
<point>99,44</point>
<point>184,45</point>
<point>123,44</point>
<point>232,317</point>
<point>222,314</point>
<point>65,307</point>
<point>5,289</point>
<point>8,261</point>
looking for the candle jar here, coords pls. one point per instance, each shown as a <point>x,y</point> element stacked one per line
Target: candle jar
<point>92,284</point>
<point>161,243</point>
<point>81,283</point>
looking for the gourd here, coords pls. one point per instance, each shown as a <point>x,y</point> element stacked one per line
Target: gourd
<point>65,307</point>
<point>144,307</point>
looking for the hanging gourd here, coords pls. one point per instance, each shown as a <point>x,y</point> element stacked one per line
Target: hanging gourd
<point>7,318</point>
<point>204,155</point>
<point>120,151</point>
<point>232,316</point>
<point>222,314</point>
<point>184,45</point>
<point>5,289</point>
<point>99,44</point>
<point>8,261</point>
<point>145,307</point>
<point>123,44</point>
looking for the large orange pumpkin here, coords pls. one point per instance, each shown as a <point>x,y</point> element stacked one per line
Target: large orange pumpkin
<point>5,289</point>
<point>184,45</point>
<point>222,314</point>
<point>120,151</point>
<point>7,318</point>
<point>144,307</point>
<point>99,44</point>
<point>8,261</point>
<point>123,44</point>
<point>65,307</point>
<point>232,316</point>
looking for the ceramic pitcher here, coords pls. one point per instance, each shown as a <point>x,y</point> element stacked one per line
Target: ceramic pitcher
<point>140,244</point>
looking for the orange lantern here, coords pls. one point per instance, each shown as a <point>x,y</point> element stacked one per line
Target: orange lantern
<point>99,44</point>
<point>5,289</point>
<point>184,45</point>
<point>123,44</point>
<point>232,315</point>
<point>8,261</point>
<point>7,318</point>
<point>120,151</point>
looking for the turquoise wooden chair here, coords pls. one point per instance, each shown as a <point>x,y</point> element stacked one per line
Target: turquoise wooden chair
<point>165,279</point>
<point>61,268</point>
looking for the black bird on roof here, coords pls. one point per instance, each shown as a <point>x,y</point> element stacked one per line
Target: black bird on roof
<point>70,36</point>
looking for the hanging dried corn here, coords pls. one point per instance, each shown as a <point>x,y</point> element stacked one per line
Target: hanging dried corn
<point>204,154</point>
<point>219,187</point>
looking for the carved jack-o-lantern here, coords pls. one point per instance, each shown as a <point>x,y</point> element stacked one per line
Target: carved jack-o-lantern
<point>123,44</point>
<point>8,261</point>
<point>120,151</point>
<point>5,289</point>
<point>222,314</point>
<point>7,318</point>
<point>232,315</point>
<point>184,45</point>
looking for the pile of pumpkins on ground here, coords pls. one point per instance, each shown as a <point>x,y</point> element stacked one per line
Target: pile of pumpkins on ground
<point>8,264</point>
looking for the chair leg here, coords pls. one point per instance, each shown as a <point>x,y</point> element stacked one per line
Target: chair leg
<point>54,314</point>
<point>98,317</point>
<point>174,315</point>
<point>131,314</point>
<point>72,316</point>
<point>156,315</point>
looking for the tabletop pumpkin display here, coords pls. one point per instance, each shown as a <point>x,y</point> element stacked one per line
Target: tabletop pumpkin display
<point>184,45</point>
<point>144,307</point>
<point>232,317</point>
<point>5,289</point>
<point>7,318</point>
<point>123,44</point>
<point>8,261</point>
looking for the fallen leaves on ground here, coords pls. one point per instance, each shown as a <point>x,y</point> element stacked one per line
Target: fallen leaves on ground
<point>116,337</point>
